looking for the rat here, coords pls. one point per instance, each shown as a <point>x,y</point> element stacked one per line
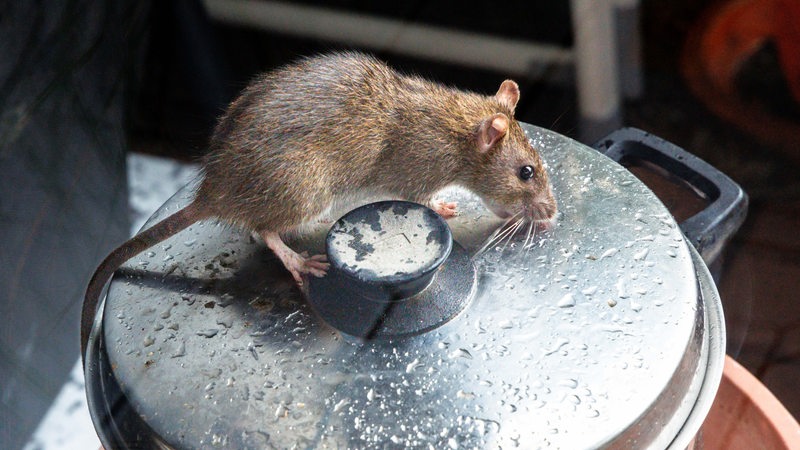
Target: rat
<point>324,130</point>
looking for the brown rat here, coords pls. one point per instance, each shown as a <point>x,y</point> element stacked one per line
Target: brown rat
<point>318,133</point>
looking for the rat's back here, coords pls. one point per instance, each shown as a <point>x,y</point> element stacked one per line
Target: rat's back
<point>290,138</point>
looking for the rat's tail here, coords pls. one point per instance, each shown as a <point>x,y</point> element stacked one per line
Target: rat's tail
<point>137,244</point>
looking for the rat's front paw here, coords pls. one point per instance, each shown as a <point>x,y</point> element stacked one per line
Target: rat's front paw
<point>444,209</point>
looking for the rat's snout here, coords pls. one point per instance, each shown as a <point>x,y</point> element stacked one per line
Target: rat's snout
<point>543,208</point>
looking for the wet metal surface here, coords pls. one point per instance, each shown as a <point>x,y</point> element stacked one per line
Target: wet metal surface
<point>566,343</point>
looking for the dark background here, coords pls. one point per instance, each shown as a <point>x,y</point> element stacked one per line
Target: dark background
<point>82,83</point>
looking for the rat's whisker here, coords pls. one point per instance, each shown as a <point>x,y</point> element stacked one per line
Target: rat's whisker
<point>528,236</point>
<point>535,227</point>
<point>500,233</point>
<point>493,238</point>
<point>509,230</point>
<point>505,233</point>
<point>517,225</point>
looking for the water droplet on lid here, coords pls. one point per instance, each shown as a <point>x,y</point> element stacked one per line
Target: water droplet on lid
<point>413,365</point>
<point>640,255</point>
<point>148,341</point>
<point>589,291</point>
<point>609,253</point>
<point>567,301</point>
<point>622,291</point>
<point>558,344</point>
<point>211,332</point>
<point>166,313</point>
<point>180,350</point>
<point>569,382</point>
<point>341,404</point>
<point>255,439</point>
<point>464,394</point>
<point>460,353</point>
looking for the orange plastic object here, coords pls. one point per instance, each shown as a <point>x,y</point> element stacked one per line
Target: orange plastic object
<point>745,415</point>
<point>719,44</point>
<point>740,28</point>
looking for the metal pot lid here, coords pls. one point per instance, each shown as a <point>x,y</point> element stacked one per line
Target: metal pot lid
<point>591,336</point>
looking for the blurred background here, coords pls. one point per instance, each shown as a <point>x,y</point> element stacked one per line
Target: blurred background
<point>84,85</point>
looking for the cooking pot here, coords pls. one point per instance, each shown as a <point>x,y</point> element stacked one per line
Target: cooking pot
<point>603,331</point>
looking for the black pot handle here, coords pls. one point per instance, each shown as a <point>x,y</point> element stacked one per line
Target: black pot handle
<point>710,229</point>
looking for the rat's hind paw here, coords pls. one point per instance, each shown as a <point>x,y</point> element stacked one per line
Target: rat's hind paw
<point>314,265</point>
<point>444,209</point>
<point>296,264</point>
<point>317,265</point>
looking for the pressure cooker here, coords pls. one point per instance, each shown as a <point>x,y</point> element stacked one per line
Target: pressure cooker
<point>604,330</point>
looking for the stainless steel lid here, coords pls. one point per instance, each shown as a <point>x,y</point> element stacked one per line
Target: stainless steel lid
<point>592,335</point>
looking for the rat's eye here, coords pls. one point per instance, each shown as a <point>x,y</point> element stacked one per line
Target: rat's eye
<point>526,173</point>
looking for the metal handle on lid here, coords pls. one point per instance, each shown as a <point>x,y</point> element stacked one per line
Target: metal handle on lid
<point>709,229</point>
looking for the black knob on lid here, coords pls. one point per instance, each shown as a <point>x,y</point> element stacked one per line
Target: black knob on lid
<point>395,271</point>
<point>389,250</point>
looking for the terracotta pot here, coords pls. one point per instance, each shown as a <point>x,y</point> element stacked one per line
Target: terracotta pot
<point>745,415</point>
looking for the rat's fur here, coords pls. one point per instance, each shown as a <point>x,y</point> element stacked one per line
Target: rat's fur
<point>301,137</point>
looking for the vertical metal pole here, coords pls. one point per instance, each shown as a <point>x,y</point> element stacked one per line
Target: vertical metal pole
<point>596,68</point>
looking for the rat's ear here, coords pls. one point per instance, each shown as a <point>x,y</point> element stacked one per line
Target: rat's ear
<point>491,130</point>
<point>508,94</point>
